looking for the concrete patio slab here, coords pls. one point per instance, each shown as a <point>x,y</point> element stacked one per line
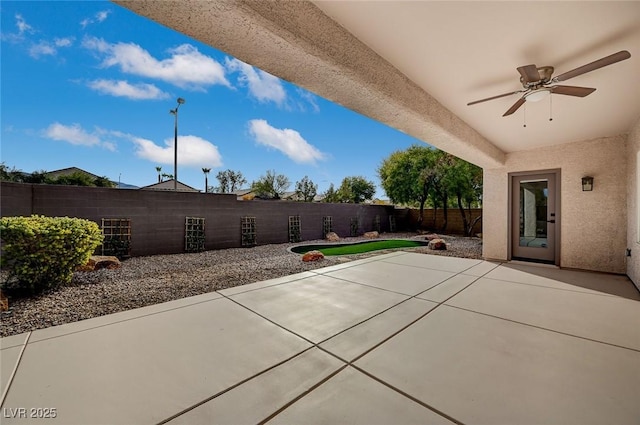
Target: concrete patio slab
<point>356,341</point>
<point>601,282</point>
<point>264,395</point>
<point>351,397</point>
<point>592,316</point>
<point>145,370</point>
<point>348,264</point>
<point>8,364</point>
<point>537,276</point>
<point>312,348</point>
<point>123,316</point>
<point>14,340</point>
<point>448,288</point>
<point>319,307</point>
<point>485,370</point>
<point>434,262</point>
<point>392,277</point>
<point>265,283</point>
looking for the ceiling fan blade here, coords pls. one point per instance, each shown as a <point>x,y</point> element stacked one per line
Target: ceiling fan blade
<point>611,59</point>
<point>572,90</point>
<point>515,107</point>
<point>494,97</point>
<point>529,73</point>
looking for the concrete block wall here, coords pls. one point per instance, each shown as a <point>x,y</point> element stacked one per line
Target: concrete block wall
<point>158,218</point>
<point>454,220</point>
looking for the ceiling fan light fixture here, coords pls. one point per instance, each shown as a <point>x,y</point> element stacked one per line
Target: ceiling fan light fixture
<point>537,95</point>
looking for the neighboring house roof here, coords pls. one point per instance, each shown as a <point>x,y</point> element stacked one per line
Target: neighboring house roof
<point>168,185</point>
<point>69,171</point>
<point>73,170</point>
<point>241,192</point>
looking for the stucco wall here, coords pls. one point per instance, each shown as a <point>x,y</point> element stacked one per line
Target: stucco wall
<point>633,179</point>
<point>592,224</point>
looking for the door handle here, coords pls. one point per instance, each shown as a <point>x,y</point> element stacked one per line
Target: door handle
<point>551,221</point>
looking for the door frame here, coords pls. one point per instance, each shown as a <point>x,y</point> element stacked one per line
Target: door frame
<point>558,209</point>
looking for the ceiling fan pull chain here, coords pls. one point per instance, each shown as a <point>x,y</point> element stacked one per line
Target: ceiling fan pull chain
<point>525,115</point>
<point>550,108</point>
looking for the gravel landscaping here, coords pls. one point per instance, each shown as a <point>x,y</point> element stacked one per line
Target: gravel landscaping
<point>143,281</point>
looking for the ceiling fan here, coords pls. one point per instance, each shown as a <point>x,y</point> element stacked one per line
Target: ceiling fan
<point>538,84</point>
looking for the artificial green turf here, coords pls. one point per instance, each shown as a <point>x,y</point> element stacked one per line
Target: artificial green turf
<point>359,248</point>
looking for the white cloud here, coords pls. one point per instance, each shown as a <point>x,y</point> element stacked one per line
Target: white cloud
<point>63,42</point>
<point>310,98</point>
<point>43,48</point>
<point>76,135</point>
<point>262,85</point>
<point>193,151</point>
<point>97,18</point>
<point>122,88</point>
<point>22,25</point>
<point>286,140</point>
<point>102,15</point>
<point>186,67</point>
<point>18,37</point>
<point>49,48</point>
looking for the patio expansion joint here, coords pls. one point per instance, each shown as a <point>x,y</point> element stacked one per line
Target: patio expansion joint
<point>346,362</point>
<point>409,396</point>
<point>15,369</point>
<point>545,329</point>
<point>242,382</point>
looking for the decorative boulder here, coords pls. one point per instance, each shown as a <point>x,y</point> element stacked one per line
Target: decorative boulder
<point>4,302</point>
<point>372,235</point>
<point>97,262</point>
<point>432,236</point>
<point>437,245</point>
<point>332,237</point>
<point>312,256</point>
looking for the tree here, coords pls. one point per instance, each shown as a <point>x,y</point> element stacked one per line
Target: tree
<point>464,181</point>
<point>331,195</point>
<point>356,189</point>
<point>306,190</point>
<point>75,179</point>
<point>271,185</point>
<point>103,182</point>
<point>408,176</point>
<point>424,175</point>
<point>159,170</point>
<point>206,179</point>
<point>229,181</point>
<point>166,176</point>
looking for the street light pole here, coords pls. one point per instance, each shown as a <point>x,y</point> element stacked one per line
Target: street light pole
<point>175,144</point>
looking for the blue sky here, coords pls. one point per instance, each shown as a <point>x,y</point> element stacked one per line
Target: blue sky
<point>90,84</point>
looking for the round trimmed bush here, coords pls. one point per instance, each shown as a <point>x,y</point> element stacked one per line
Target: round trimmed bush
<point>41,253</point>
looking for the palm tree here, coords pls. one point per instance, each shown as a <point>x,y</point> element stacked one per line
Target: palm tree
<point>206,179</point>
<point>159,170</point>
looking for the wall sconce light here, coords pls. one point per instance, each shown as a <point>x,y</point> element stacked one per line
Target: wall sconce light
<point>587,184</point>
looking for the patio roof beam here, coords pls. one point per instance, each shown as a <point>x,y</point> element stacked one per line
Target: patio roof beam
<point>297,42</point>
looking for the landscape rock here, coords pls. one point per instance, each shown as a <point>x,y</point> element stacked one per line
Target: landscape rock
<point>372,235</point>
<point>437,245</point>
<point>97,262</point>
<point>312,256</point>
<point>4,302</point>
<point>432,236</point>
<point>332,237</point>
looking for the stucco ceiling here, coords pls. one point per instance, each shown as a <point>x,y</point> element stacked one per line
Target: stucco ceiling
<point>464,51</point>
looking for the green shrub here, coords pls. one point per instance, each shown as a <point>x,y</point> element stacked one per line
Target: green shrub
<point>41,253</point>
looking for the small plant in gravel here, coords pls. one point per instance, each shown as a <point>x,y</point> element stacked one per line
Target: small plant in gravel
<point>41,253</point>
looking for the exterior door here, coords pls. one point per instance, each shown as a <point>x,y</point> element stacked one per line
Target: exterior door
<point>533,217</point>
